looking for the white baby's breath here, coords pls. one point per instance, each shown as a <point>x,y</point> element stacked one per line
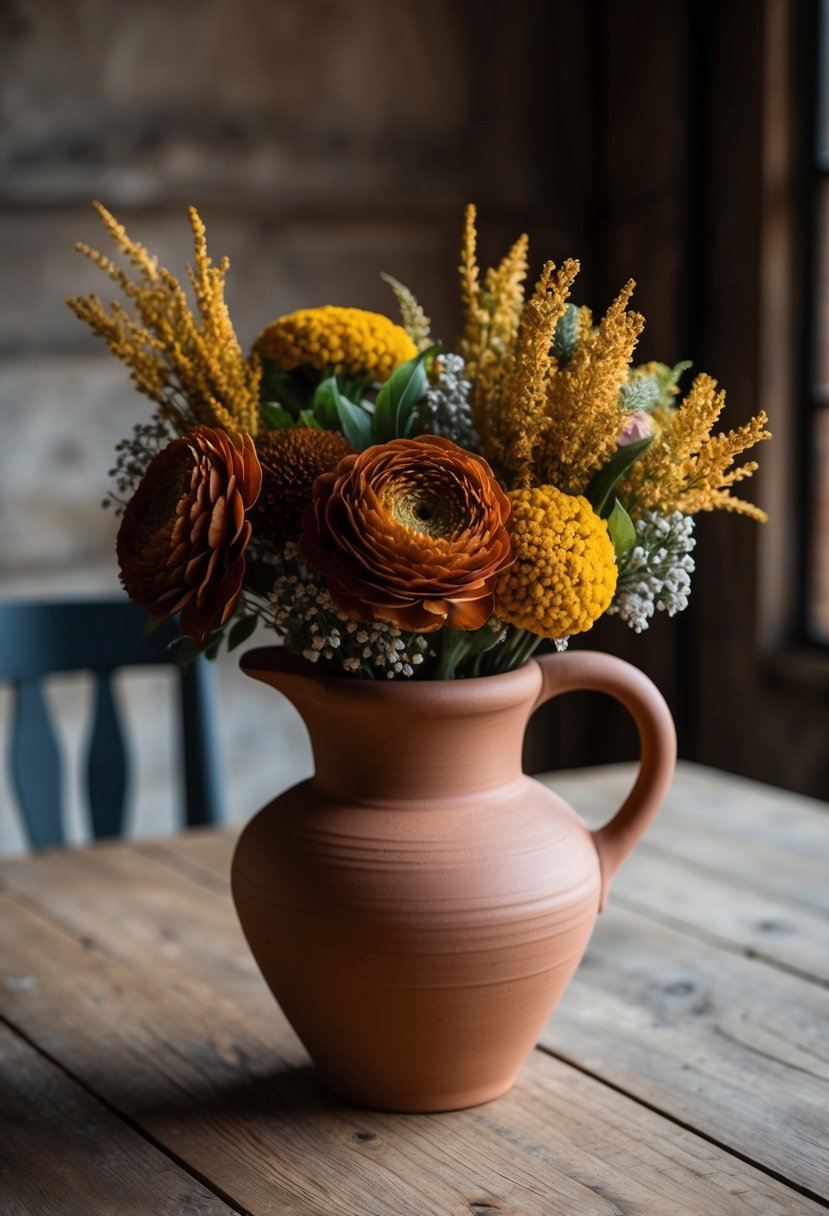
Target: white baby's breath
<point>656,574</point>
<point>312,625</point>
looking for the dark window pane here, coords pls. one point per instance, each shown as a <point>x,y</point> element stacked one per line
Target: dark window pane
<point>819,556</point>
<point>820,369</point>
<point>822,149</point>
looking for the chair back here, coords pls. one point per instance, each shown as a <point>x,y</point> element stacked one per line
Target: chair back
<point>102,637</point>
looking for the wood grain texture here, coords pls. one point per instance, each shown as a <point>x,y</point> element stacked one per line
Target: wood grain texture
<point>62,1152</point>
<point>199,1064</point>
<point>203,855</point>
<point>739,863</point>
<point>725,1044</point>
<point>749,922</point>
<point>747,838</point>
<point>121,904</point>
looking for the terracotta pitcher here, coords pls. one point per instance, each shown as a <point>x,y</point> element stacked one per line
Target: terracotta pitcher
<point>419,905</point>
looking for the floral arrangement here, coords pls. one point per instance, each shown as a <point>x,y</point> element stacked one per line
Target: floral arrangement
<point>391,508</point>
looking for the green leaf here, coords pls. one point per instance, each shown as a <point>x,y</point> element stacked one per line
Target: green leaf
<point>275,416</point>
<point>241,631</point>
<point>640,393</point>
<point>324,403</point>
<point>213,646</point>
<point>460,647</point>
<point>566,336</point>
<point>333,409</point>
<point>352,387</point>
<point>395,405</point>
<point>355,423</point>
<point>306,418</point>
<point>621,529</point>
<point>600,491</point>
<point>186,650</point>
<point>293,389</point>
<point>454,648</point>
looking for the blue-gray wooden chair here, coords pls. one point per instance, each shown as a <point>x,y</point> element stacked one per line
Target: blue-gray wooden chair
<point>101,636</point>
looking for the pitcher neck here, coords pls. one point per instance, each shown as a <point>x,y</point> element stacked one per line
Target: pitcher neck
<point>399,743</point>
<point>410,753</point>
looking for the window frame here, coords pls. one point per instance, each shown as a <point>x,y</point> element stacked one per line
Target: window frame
<point>789,312</point>
<point>814,104</point>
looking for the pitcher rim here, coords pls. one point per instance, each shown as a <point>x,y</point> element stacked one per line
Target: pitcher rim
<point>275,661</point>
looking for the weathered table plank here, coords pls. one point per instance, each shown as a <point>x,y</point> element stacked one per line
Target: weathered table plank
<point>663,881</point>
<point>62,1151</point>
<point>768,841</point>
<point>226,1095</point>
<point>749,922</point>
<point>153,918</point>
<point>724,1044</point>
<point>204,854</point>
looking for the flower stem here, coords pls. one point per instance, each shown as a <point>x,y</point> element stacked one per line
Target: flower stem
<point>454,646</point>
<point>518,647</point>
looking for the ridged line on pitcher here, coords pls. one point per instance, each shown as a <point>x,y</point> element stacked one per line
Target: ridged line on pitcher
<point>432,907</point>
<point>457,980</point>
<point>381,860</point>
<point>504,938</point>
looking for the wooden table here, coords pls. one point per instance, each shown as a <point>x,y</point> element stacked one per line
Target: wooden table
<point>144,1068</point>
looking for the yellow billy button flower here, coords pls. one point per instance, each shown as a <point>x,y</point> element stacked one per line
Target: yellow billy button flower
<point>564,574</point>
<point>350,340</point>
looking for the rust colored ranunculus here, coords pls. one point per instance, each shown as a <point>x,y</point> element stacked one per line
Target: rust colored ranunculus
<point>182,540</point>
<point>411,532</point>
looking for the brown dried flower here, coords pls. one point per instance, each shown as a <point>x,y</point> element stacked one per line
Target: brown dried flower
<point>184,532</point>
<point>412,532</point>
<point>292,459</point>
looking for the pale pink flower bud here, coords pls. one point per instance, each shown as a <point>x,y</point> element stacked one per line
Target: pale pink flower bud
<point>639,425</point>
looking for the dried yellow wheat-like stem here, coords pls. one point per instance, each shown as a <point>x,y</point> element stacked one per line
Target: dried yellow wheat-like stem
<point>541,420</point>
<point>689,469</point>
<point>522,405</point>
<point>583,413</point>
<point>191,364</point>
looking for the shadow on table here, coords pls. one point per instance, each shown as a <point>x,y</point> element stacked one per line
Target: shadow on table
<point>290,1094</point>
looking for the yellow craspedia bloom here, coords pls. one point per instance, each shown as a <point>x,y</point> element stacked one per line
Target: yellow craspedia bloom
<point>564,573</point>
<point>350,340</point>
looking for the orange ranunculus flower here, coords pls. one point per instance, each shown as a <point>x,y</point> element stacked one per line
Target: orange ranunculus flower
<point>182,540</point>
<point>412,532</point>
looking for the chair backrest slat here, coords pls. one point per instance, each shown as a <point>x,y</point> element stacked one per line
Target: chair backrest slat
<point>41,639</point>
<point>106,763</point>
<point>35,766</point>
<point>99,635</point>
<point>202,770</point>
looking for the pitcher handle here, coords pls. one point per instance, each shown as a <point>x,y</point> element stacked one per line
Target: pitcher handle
<point>592,671</point>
